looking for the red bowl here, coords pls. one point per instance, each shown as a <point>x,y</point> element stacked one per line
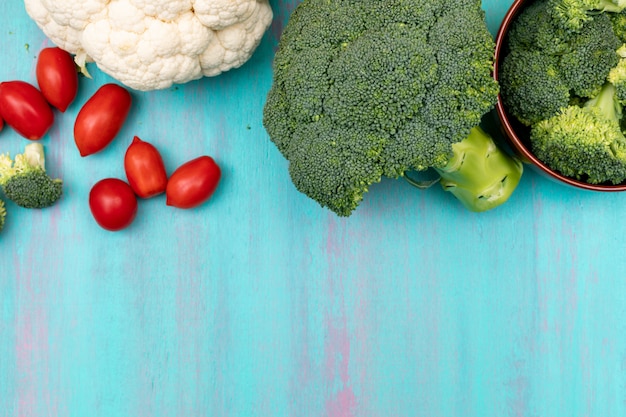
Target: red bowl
<point>517,134</point>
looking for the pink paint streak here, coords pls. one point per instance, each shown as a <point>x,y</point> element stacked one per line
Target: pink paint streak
<point>32,350</point>
<point>337,347</point>
<point>342,404</point>
<point>302,325</point>
<point>519,390</point>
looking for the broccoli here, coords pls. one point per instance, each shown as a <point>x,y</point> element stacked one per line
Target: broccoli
<point>367,89</point>
<point>546,70</point>
<point>3,214</point>
<point>592,55</point>
<point>25,181</point>
<point>535,28</point>
<point>533,88</point>
<point>619,24</point>
<point>573,14</point>
<point>585,143</point>
<point>617,76</point>
<point>565,78</point>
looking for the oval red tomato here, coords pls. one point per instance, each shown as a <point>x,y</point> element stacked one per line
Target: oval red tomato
<point>101,118</point>
<point>193,183</point>
<point>24,108</point>
<point>57,77</point>
<point>113,204</point>
<point>144,168</point>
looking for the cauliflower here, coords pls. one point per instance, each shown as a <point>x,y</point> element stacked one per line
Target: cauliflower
<point>152,44</point>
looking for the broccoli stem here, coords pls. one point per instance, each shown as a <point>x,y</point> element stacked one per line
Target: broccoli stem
<point>606,103</point>
<point>479,174</point>
<point>3,214</point>
<point>34,155</point>
<point>611,6</point>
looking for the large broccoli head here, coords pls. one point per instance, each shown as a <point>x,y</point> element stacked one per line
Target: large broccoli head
<point>366,89</point>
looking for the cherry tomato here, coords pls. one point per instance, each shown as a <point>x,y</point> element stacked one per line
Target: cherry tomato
<point>1,124</point>
<point>144,168</point>
<point>57,77</point>
<point>24,108</point>
<point>101,118</point>
<point>192,183</point>
<point>113,204</point>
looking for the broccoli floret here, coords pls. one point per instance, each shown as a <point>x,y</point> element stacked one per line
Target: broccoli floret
<point>533,88</point>
<point>25,181</point>
<point>366,89</point>
<point>619,24</point>
<point>334,166</point>
<point>3,214</point>
<point>574,14</point>
<point>617,76</point>
<point>591,56</point>
<point>535,28</point>
<point>586,142</point>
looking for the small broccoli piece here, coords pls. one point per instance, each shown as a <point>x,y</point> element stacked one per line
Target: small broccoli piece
<point>574,14</point>
<point>586,142</point>
<point>590,57</point>
<point>3,214</point>
<point>617,76</point>
<point>535,28</point>
<point>479,174</point>
<point>533,87</point>
<point>619,24</point>
<point>25,181</point>
<point>365,89</point>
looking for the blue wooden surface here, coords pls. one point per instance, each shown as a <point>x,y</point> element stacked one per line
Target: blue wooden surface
<point>260,303</point>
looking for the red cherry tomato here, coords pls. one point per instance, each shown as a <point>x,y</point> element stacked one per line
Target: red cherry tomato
<point>57,77</point>
<point>193,183</point>
<point>113,204</point>
<point>1,124</point>
<point>144,168</point>
<point>24,108</point>
<point>101,118</point>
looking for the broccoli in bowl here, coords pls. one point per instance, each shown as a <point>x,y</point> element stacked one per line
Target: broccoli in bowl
<point>562,73</point>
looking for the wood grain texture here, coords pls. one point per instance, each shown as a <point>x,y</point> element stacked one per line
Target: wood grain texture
<point>260,303</point>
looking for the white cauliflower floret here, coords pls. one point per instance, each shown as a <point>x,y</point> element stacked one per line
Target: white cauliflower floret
<point>152,44</point>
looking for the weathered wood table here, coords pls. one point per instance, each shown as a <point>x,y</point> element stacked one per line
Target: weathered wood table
<point>261,303</point>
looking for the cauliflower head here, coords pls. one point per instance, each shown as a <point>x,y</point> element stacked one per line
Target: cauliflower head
<point>152,44</point>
